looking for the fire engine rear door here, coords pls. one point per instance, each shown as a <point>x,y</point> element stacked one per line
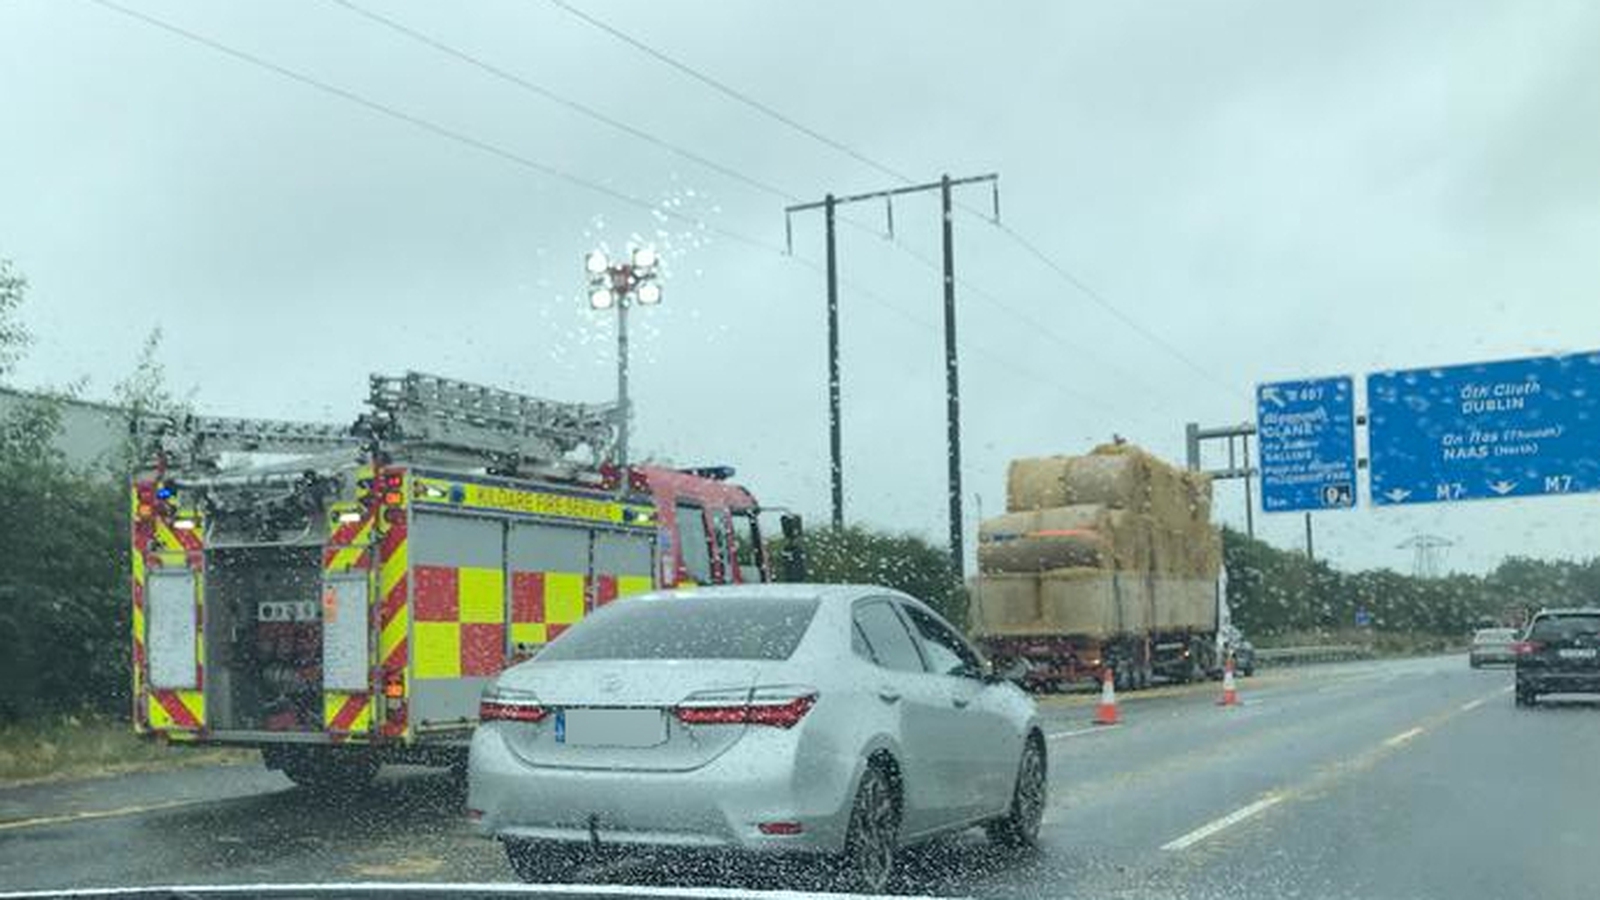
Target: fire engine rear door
<point>345,633</point>
<point>173,631</point>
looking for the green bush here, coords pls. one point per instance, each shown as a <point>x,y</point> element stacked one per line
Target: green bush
<point>63,582</point>
<point>859,555</point>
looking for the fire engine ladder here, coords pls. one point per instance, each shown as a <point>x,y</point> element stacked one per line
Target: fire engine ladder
<point>428,417</point>
<point>186,441</point>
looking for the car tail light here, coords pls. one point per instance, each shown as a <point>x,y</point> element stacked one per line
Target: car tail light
<point>779,707</point>
<point>1526,648</point>
<point>779,827</point>
<point>511,706</point>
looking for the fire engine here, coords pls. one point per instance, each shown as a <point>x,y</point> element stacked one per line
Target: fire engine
<point>340,596</point>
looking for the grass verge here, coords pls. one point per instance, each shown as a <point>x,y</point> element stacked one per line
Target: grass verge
<point>83,747</point>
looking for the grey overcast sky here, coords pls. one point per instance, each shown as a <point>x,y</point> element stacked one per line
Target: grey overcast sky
<point>1276,189</point>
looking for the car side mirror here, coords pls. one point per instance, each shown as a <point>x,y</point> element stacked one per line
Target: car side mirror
<point>1013,670</point>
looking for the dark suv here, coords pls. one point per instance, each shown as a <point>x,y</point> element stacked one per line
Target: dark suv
<point>1559,653</point>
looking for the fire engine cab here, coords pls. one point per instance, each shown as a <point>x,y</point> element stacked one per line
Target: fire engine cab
<point>339,597</point>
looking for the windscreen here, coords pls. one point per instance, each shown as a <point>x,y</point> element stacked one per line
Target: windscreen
<point>689,628</point>
<point>1565,628</point>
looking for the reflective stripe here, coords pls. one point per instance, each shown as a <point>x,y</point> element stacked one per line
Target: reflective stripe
<point>347,713</point>
<point>176,709</point>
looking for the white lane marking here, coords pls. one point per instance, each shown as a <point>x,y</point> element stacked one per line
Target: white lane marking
<point>1216,825</point>
<point>97,814</point>
<point>391,888</point>
<point>1471,705</point>
<point>1079,732</point>
<point>1402,737</point>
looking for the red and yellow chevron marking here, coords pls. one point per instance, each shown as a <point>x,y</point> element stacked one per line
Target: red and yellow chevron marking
<point>345,714</point>
<point>348,544</point>
<point>394,608</point>
<point>142,533</point>
<point>156,542</point>
<point>393,589</point>
<point>176,709</point>
<point>349,549</point>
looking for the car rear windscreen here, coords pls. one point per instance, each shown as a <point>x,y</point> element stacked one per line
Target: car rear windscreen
<point>688,628</point>
<point>1565,628</point>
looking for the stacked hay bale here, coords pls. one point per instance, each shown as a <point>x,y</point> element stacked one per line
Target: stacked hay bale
<point>1114,541</point>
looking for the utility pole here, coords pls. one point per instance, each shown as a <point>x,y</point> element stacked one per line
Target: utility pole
<point>835,429</point>
<point>952,384</point>
<point>829,204</point>
<point>1311,555</point>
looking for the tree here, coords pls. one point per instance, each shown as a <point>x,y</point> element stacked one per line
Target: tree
<point>905,562</point>
<point>13,336</point>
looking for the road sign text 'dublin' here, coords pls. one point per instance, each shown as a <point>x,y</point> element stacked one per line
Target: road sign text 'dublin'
<point>1522,427</point>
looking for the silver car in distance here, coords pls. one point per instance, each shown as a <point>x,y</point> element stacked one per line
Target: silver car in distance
<point>829,720</point>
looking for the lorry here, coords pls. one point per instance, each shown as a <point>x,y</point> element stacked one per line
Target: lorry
<point>1103,563</point>
<point>340,596</point>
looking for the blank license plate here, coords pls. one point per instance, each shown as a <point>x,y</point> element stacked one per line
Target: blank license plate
<point>1581,653</point>
<point>610,727</point>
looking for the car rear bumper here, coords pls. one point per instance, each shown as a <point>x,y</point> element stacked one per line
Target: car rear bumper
<point>1546,682</point>
<point>770,775</point>
<point>1487,657</point>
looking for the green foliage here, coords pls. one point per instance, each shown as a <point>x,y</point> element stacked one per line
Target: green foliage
<point>13,337</point>
<point>858,555</point>
<point>144,393</point>
<point>63,582</point>
<point>1273,592</point>
<point>64,604</point>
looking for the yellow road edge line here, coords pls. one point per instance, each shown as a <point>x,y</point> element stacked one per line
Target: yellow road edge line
<point>39,821</point>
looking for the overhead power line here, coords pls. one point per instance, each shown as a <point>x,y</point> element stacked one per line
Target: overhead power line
<point>1112,308</point>
<point>1059,270</point>
<point>727,91</point>
<point>1036,327</point>
<point>553,97</point>
<point>434,128</point>
<point>518,159</point>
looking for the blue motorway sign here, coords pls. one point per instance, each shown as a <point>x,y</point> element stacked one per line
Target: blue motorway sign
<point>1306,440</point>
<point>1515,428</point>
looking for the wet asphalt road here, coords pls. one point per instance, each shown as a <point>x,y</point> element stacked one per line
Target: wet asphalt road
<point>1409,778</point>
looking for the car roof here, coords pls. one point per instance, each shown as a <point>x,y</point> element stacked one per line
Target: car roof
<point>1569,611</point>
<point>827,594</point>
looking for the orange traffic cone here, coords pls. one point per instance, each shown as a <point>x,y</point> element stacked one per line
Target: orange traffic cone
<point>1230,692</point>
<point>1106,713</point>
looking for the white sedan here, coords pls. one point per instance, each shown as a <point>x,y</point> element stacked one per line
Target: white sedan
<point>838,721</point>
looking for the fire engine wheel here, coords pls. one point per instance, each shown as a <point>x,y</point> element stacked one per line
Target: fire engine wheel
<point>321,769</point>
<point>538,862</point>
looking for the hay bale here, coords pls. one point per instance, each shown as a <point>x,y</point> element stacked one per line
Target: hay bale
<point>1004,604</point>
<point>1009,526</point>
<point>1185,603</point>
<point>1045,539</point>
<point>1033,484</point>
<point>1036,554</point>
<point>1130,540</point>
<point>1118,480</point>
<point>1078,601</point>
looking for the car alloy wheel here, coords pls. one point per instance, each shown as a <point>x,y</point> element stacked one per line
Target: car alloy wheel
<point>873,832</point>
<point>1020,826</point>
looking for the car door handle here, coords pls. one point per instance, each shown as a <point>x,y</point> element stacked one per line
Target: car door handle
<point>960,702</point>
<point>888,695</point>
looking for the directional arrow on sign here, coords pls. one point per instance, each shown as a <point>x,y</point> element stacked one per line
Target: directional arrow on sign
<point>1398,494</point>
<point>1502,487</point>
<point>1269,394</point>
